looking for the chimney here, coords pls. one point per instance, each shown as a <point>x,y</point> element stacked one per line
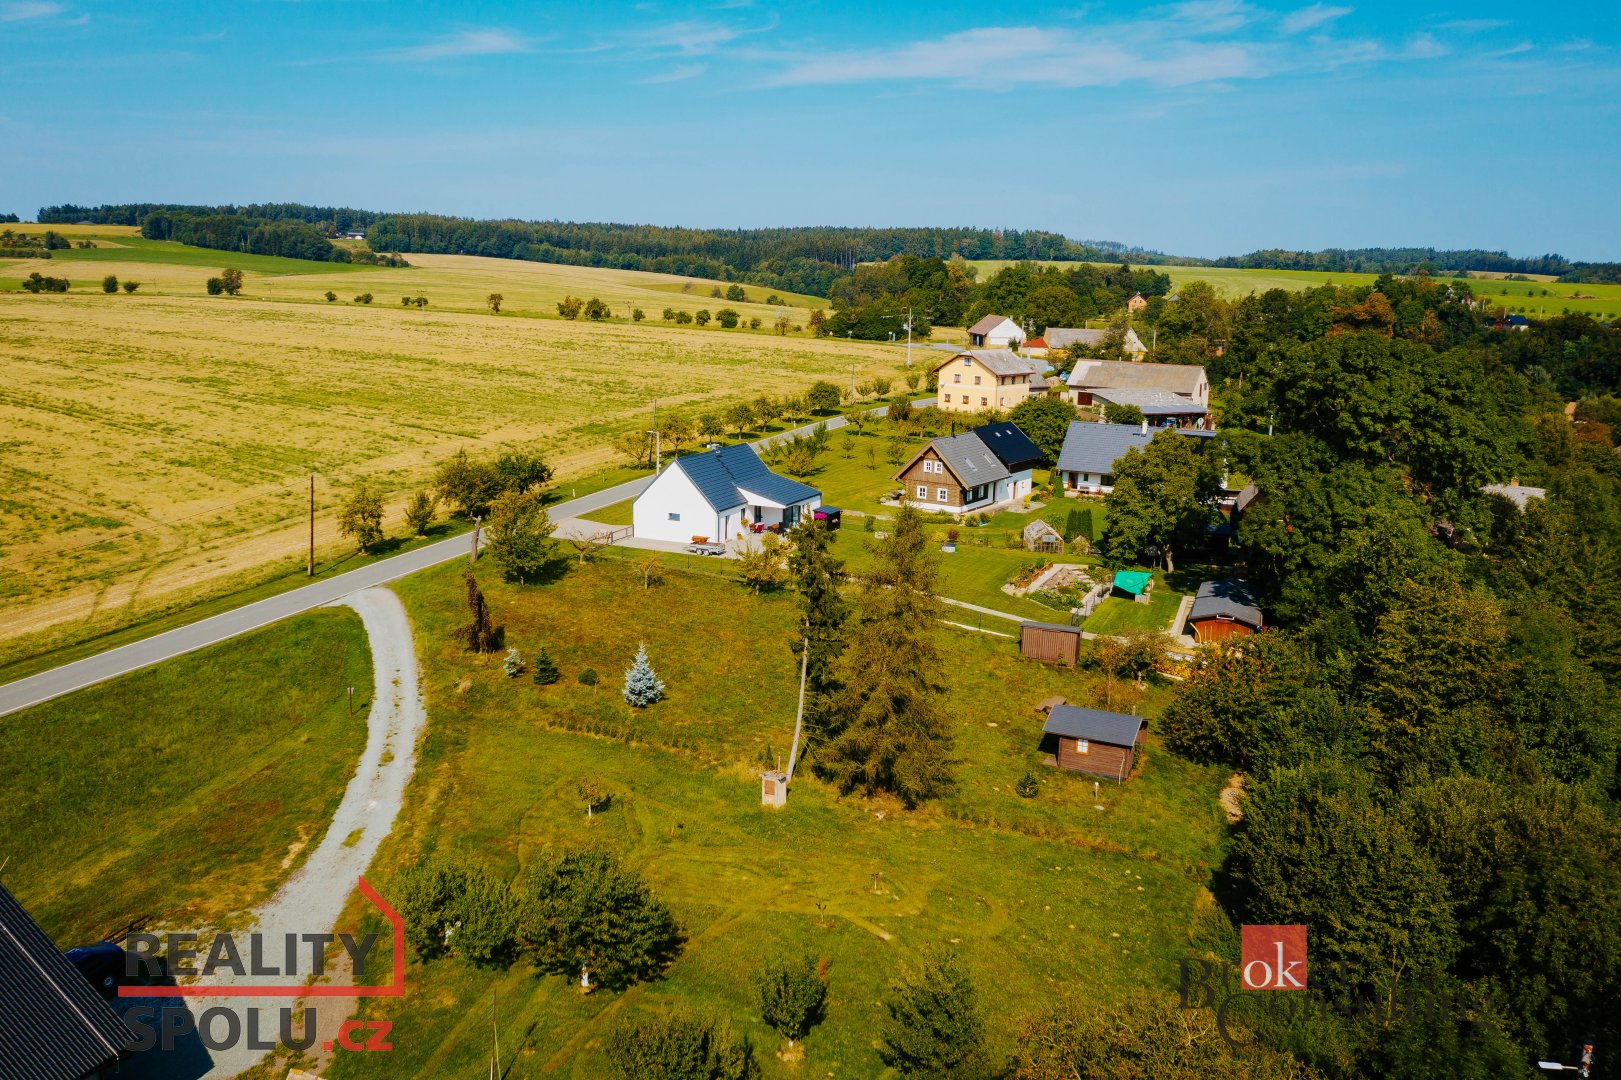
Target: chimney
<point>1145,426</point>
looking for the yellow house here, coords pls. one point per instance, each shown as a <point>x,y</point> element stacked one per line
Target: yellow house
<point>987,379</point>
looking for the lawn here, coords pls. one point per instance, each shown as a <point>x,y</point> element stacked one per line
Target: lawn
<point>1117,613</point>
<point>1033,894</point>
<point>158,446</point>
<point>184,791</point>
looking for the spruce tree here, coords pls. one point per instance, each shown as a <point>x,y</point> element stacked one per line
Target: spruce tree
<point>817,575</point>
<point>889,730</point>
<point>642,685</point>
<point>545,668</point>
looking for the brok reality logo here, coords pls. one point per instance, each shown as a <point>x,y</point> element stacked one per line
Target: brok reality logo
<point>1273,958</point>
<point>234,960</point>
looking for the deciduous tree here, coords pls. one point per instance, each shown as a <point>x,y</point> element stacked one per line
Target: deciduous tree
<point>361,515</point>
<point>519,534</point>
<point>1163,494</point>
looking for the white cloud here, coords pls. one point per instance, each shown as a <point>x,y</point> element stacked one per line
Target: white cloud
<point>465,43</point>
<point>688,37</point>
<point>29,10</point>
<point>1028,55</point>
<point>1308,18</point>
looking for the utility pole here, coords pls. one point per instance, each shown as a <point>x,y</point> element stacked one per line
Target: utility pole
<point>852,382</point>
<point>495,1036</point>
<point>799,716</point>
<point>311,572</point>
<point>657,450</point>
<point>908,338</point>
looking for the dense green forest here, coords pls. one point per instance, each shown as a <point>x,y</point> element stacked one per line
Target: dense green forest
<point>1430,731</point>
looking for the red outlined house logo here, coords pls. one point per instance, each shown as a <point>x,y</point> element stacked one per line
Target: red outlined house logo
<point>1274,957</point>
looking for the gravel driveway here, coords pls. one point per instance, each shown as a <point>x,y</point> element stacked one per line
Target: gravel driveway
<point>311,900</point>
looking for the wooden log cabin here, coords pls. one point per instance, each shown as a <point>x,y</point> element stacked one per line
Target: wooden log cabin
<point>1093,741</point>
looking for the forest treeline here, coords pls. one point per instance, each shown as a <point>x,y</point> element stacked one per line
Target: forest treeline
<point>805,259</point>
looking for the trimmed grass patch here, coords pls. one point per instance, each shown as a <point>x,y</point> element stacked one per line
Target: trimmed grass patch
<point>1032,893</point>
<point>185,791</point>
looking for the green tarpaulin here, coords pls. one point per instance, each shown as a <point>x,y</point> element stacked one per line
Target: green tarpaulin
<point>1133,581</point>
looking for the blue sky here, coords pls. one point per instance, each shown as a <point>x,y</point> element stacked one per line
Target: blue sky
<point>1206,128</point>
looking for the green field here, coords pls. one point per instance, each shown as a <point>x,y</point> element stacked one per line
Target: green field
<point>158,445</point>
<point>1034,894</point>
<point>185,791</point>
<point>1116,613</point>
<point>1535,298</point>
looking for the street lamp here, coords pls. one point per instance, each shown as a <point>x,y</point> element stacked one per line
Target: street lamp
<point>1584,1070</point>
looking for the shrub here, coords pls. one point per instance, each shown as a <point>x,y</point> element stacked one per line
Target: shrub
<point>682,1046</point>
<point>331,296</point>
<point>215,286</point>
<point>583,913</point>
<point>546,672</point>
<point>452,906</point>
<point>791,995</point>
<point>934,1027</point>
<point>596,310</point>
<point>570,307</point>
<point>419,512</point>
<point>109,284</point>
<point>637,315</point>
<point>231,280</point>
<point>736,294</point>
<point>512,663</point>
<point>702,318</point>
<point>1028,786</point>
<point>588,677</point>
<point>727,318</point>
<point>131,286</point>
<point>363,298</point>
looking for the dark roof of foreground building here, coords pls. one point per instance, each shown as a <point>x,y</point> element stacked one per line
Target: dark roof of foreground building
<point>1010,444</point>
<point>1074,722</point>
<point>57,1025</point>
<point>1226,598</point>
<point>721,476</point>
<point>969,459</point>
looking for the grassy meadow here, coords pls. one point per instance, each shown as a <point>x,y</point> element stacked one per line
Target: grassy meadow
<point>157,446</point>
<point>184,791</point>
<point>1537,298</point>
<point>1035,894</point>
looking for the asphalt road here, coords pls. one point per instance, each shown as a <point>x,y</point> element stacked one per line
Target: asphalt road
<point>216,628</point>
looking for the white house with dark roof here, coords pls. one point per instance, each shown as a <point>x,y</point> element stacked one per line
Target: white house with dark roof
<point>979,469</point>
<point>719,495</point>
<point>980,379</point>
<point>995,332</point>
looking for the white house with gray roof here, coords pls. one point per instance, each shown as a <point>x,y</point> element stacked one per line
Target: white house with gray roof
<point>995,332</point>
<point>719,495</point>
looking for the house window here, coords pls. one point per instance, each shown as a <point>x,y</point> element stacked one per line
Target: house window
<point>982,401</point>
<point>1083,746</point>
<point>922,492</point>
<point>675,517</point>
<point>940,495</point>
<point>948,398</point>
<point>976,380</point>
<point>957,377</point>
<point>968,360</point>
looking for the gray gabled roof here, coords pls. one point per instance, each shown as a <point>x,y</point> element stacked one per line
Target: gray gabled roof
<point>1182,379</point>
<point>1518,494</point>
<point>1151,400</point>
<point>1062,337</point>
<point>1229,598</point>
<point>1074,722</point>
<point>1094,448</point>
<point>57,1025</point>
<point>969,459</point>
<point>998,361</point>
<point>718,474</point>
<point>988,323</point>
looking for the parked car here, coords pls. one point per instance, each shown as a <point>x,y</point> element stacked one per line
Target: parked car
<point>104,964</point>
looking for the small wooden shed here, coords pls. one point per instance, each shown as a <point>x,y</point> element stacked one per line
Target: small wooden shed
<point>1093,741</point>
<point>1056,643</point>
<point>1040,536</point>
<point>1224,608</point>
